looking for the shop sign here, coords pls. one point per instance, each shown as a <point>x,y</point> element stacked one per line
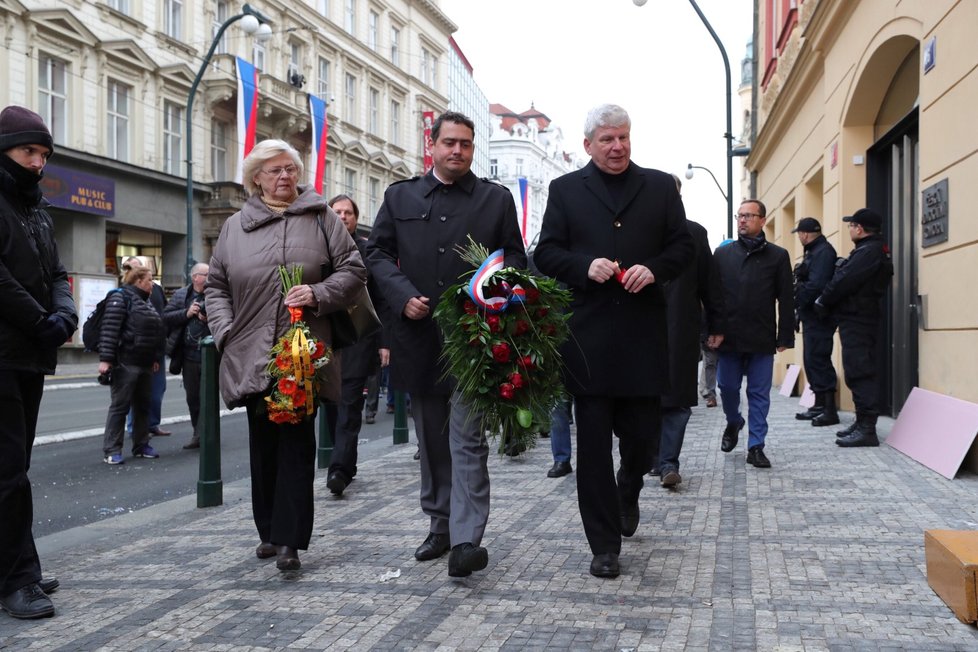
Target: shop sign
<point>78,191</point>
<point>934,214</point>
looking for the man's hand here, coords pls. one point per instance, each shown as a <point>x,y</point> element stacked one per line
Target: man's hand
<point>385,357</point>
<point>714,341</point>
<point>602,269</point>
<point>637,277</point>
<point>821,310</point>
<point>782,349</point>
<point>417,308</point>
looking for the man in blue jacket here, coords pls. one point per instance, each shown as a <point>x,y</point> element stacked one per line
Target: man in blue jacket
<point>755,275</point>
<point>38,316</point>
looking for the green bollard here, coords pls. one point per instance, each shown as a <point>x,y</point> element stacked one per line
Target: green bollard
<point>210,488</point>
<point>324,453</point>
<point>400,419</point>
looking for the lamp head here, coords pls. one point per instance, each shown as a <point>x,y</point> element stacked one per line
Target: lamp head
<point>689,171</point>
<point>249,24</point>
<point>639,3</point>
<point>264,32</point>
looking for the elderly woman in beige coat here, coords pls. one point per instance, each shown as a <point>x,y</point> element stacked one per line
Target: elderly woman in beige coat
<point>282,223</point>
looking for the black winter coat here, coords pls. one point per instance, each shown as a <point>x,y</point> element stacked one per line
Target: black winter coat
<point>132,330</point>
<point>752,282</point>
<point>860,281</point>
<point>812,275</point>
<point>618,345</point>
<point>363,359</point>
<point>33,282</point>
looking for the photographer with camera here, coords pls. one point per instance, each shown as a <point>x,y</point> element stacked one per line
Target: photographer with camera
<point>185,317</point>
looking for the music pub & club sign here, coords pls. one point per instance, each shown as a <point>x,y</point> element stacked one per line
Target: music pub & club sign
<point>78,191</point>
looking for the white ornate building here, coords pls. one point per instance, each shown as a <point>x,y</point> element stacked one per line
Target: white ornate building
<point>527,146</point>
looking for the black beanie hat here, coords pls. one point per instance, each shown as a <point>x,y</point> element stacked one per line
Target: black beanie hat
<point>20,126</point>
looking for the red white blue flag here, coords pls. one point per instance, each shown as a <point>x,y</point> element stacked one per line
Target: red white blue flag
<point>320,129</point>
<point>247,110</point>
<point>524,194</point>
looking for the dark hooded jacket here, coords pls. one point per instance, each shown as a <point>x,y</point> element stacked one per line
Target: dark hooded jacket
<point>132,331</point>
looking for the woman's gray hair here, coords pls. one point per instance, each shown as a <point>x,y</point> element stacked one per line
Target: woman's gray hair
<point>261,152</point>
<point>605,115</point>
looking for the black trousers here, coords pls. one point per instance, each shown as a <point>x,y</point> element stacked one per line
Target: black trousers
<point>20,399</point>
<point>817,336</point>
<point>283,466</point>
<point>191,385</point>
<point>859,339</point>
<point>599,494</point>
<point>348,423</point>
<point>132,388</point>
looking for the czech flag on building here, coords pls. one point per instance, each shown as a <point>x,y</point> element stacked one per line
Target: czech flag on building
<point>524,194</point>
<point>320,129</point>
<point>247,110</point>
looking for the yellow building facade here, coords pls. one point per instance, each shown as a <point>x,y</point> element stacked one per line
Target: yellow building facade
<point>874,103</point>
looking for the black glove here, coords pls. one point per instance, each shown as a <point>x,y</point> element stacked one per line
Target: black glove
<point>821,310</point>
<point>54,331</point>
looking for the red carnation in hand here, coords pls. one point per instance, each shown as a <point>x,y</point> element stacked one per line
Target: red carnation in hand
<point>500,352</point>
<point>521,327</point>
<point>516,379</point>
<point>493,321</point>
<point>506,391</point>
<point>469,308</point>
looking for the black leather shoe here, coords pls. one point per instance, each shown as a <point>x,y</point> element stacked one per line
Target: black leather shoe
<point>288,559</point>
<point>670,478</point>
<point>466,558</point>
<point>433,547</point>
<point>809,414</point>
<point>417,454</point>
<point>28,602</point>
<point>336,482</point>
<point>826,418</point>
<point>49,585</point>
<point>629,519</point>
<point>192,444</point>
<point>265,550</point>
<point>848,430</point>
<point>731,435</point>
<point>757,457</point>
<point>605,565</point>
<point>858,437</point>
<point>559,470</point>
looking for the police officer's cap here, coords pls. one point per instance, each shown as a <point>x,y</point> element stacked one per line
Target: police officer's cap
<point>865,217</point>
<point>808,225</point>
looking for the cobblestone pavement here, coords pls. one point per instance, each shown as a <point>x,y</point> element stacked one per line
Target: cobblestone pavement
<point>822,552</point>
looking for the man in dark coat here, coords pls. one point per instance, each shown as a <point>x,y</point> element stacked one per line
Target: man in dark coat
<point>692,296</point>
<point>411,253</point>
<point>38,316</point>
<point>811,276</point>
<point>853,297</point>
<point>614,233</point>
<point>754,275</point>
<point>359,362</point>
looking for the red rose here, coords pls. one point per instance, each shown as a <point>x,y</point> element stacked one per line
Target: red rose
<point>520,327</point>
<point>526,362</point>
<point>542,312</point>
<point>532,295</point>
<point>469,308</point>
<point>516,379</point>
<point>500,352</point>
<point>493,322</point>
<point>506,391</point>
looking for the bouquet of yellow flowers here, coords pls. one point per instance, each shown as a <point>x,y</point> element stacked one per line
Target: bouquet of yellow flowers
<point>294,363</point>
<point>502,327</point>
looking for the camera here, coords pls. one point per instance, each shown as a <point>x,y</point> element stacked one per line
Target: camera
<point>106,378</point>
<point>200,302</point>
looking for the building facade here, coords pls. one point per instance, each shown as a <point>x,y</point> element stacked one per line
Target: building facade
<point>526,154</point>
<point>112,79</point>
<point>871,103</point>
<point>465,96</point>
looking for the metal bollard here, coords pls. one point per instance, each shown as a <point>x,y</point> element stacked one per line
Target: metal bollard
<point>400,419</point>
<point>324,454</point>
<point>210,488</point>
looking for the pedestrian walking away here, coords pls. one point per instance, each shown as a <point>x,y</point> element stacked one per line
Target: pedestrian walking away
<point>411,253</point>
<point>38,317</point>
<point>614,233</point>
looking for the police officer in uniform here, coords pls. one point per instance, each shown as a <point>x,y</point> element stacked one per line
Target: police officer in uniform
<point>853,297</point>
<point>411,254</point>
<point>811,276</point>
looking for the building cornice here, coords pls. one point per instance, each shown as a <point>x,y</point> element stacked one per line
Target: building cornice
<point>436,14</point>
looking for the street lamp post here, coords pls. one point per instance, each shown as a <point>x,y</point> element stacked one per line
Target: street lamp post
<point>729,134</point>
<point>689,175</point>
<point>253,22</point>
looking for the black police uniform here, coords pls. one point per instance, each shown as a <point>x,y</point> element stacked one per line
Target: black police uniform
<point>853,295</point>
<point>811,276</point>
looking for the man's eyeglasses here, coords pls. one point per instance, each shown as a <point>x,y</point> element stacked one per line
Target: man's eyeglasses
<point>291,171</point>
<point>743,217</point>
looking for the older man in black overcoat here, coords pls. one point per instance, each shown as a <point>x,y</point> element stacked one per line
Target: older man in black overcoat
<point>614,233</point>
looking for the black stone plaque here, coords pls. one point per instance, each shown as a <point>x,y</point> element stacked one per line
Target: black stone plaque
<point>934,214</point>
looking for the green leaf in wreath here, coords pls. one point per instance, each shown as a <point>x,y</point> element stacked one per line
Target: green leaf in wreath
<point>524,417</point>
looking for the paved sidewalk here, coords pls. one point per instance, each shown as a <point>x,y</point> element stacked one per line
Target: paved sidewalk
<point>822,552</point>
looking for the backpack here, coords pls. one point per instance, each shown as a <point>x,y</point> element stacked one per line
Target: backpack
<point>92,330</point>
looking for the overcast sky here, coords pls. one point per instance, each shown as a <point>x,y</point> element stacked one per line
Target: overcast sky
<point>657,61</point>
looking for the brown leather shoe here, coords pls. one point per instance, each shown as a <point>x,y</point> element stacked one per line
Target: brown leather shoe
<point>159,432</point>
<point>288,559</point>
<point>711,402</point>
<point>265,550</point>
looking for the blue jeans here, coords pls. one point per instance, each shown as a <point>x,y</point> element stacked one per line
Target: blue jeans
<point>759,369</point>
<point>560,439</point>
<point>674,420</point>
<point>155,401</point>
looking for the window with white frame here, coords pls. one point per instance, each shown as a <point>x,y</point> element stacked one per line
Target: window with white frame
<point>373,199</point>
<point>323,6</point>
<point>425,64</point>
<point>220,15</point>
<point>258,54</point>
<point>374,111</point>
<point>173,18</point>
<point>295,56</point>
<point>395,135</point>
<point>350,16</point>
<point>429,67</point>
<point>494,168</point>
<point>350,182</point>
<point>172,136</point>
<point>117,121</point>
<point>395,46</point>
<point>323,79</point>
<point>122,6</point>
<point>219,150</point>
<point>373,19</point>
<point>351,98</point>
<point>52,91</point>
<point>519,167</point>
